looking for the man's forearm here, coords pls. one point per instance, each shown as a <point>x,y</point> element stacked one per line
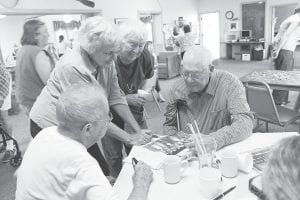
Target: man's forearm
<point>239,130</point>
<point>126,115</point>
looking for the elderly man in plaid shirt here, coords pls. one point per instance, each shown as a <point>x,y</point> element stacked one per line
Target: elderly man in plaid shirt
<point>5,105</point>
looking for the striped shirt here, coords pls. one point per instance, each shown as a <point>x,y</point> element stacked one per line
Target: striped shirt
<point>220,111</point>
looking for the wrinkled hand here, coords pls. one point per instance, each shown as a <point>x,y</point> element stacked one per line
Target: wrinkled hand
<point>190,143</point>
<point>143,174</point>
<point>140,139</point>
<point>135,100</point>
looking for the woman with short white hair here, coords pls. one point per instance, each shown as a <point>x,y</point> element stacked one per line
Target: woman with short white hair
<point>281,177</point>
<point>91,62</point>
<point>134,65</point>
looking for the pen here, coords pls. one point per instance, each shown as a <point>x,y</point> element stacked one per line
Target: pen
<point>134,161</point>
<point>224,193</point>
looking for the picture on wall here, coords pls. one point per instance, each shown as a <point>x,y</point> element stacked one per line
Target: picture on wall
<point>120,20</point>
<point>233,26</point>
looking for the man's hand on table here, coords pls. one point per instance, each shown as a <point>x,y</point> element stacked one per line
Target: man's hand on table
<point>143,175</point>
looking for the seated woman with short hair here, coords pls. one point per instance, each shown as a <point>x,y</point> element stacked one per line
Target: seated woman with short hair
<point>281,177</point>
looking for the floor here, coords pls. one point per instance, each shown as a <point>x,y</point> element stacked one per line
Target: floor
<point>154,118</point>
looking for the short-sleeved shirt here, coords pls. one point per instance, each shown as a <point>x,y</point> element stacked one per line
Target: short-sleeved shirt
<point>289,32</point>
<point>132,76</point>
<point>67,172</point>
<point>74,67</point>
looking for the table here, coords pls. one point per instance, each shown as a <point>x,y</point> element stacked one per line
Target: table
<point>187,188</point>
<point>277,79</point>
<point>240,48</point>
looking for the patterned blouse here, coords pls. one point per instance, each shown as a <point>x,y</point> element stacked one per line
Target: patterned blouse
<point>221,110</point>
<point>4,82</point>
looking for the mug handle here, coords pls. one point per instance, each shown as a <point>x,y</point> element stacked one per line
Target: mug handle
<point>184,165</point>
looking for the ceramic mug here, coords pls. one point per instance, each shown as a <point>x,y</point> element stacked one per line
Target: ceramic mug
<point>173,168</point>
<point>229,163</point>
<point>245,162</point>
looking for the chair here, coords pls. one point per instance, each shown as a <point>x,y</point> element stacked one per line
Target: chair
<point>262,104</point>
<point>17,159</point>
<point>168,64</point>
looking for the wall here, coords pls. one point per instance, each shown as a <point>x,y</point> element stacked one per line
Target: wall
<point>222,6</point>
<point>170,10</point>
<point>12,34</point>
<point>120,8</point>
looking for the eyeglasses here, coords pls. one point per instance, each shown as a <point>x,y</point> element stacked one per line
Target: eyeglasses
<point>255,190</point>
<point>134,45</point>
<point>192,75</point>
<point>110,53</point>
<point>110,118</point>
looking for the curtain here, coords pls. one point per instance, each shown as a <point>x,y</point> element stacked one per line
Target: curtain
<point>63,25</point>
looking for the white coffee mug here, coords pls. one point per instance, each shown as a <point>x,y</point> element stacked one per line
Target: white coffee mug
<point>173,168</point>
<point>245,162</point>
<point>210,181</point>
<point>229,164</point>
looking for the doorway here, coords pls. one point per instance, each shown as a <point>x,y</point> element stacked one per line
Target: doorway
<point>210,33</point>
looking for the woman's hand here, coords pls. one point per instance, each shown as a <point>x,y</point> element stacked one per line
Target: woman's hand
<point>135,100</point>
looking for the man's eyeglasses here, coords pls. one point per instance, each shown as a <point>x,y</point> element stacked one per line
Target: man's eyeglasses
<point>192,75</point>
<point>110,118</point>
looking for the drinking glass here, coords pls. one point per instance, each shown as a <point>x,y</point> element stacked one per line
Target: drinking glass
<point>207,154</point>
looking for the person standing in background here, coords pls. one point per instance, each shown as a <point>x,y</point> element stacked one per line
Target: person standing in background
<point>285,44</point>
<point>187,40</point>
<point>34,64</point>
<point>62,46</point>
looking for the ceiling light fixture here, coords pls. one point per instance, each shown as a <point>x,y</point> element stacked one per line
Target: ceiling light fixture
<point>67,18</point>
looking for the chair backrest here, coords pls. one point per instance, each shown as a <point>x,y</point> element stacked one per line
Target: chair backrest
<point>184,116</point>
<point>261,101</point>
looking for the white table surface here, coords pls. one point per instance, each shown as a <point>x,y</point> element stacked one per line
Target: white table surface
<point>188,187</point>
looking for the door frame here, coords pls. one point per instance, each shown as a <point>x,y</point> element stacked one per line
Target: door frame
<point>201,28</point>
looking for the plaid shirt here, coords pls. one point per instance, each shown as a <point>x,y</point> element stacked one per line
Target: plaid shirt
<point>220,111</point>
<point>4,82</point>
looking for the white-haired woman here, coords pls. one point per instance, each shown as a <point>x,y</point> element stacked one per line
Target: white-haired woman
<point>281,177</point>
<point>92,62</point>
<point>134,66</point>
